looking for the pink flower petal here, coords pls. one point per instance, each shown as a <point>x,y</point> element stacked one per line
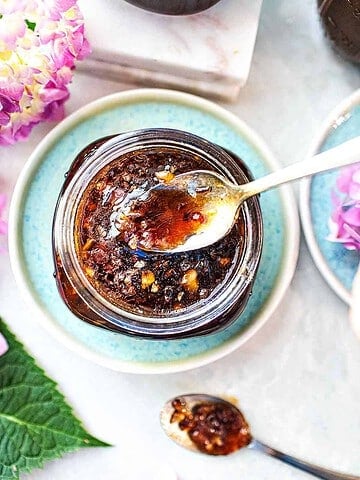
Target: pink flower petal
<point>4,347</point>
<point>60,5</point>
<point>354,235</point>
<point>54,111</point>
<point>3,227</point>
<point>50,95</point>
<point>34,87</point>
<point>344,224</point>
<point>354,191</point>
<point>4,118</point>
<point>344,179</point>
<point>356,174</point>
<point>11,29</point>
<point>351,216</point>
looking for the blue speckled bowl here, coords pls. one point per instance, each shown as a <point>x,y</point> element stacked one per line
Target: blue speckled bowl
<point>33,206</point>
<point>337,265</point>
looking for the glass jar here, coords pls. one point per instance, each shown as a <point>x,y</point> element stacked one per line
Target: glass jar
<point>162,296</point>
<point>174,7</point>
<point>341,22</point>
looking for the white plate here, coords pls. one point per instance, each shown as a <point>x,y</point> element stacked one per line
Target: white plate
<point>337,265</point>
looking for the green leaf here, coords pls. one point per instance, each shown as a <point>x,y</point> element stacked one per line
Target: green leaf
<point>30,25</point>
<point>36,424</point>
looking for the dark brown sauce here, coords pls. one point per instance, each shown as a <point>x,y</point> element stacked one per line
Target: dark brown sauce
<point>163,220</point>
<point>214,428</point>
<point>138,281</point>
<point>341,21</point>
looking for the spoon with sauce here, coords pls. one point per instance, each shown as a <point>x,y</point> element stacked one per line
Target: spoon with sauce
<point>196,209</point>
<point>213,426</point>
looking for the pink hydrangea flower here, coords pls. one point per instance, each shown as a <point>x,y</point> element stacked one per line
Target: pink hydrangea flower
<point>40,41</point>
<point>344,223</point>
<point>3,224</point>
<point>4,347</point>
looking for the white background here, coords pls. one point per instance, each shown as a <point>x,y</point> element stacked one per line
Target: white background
<point>298,379</point>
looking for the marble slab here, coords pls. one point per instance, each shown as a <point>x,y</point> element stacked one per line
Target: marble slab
<point>208,53</point>
<point>297,379</point>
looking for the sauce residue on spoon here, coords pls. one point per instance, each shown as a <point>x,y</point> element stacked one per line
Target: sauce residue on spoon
<point>215,428</point>
<point>162,220</point>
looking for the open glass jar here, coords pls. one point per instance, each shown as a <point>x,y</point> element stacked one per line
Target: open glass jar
<point>114,285</point>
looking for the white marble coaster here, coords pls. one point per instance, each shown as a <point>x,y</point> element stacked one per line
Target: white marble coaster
<point>207,53</point>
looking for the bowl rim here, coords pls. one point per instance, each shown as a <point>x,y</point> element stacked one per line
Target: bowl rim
<point>289,257</point>
<point>331,121</point>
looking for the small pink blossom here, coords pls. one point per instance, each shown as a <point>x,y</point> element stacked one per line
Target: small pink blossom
<point>13,29</point>
<point>3,224</point>
<point>40,42</point>
<point>11,6</point>
<point>344,223</point>
<point>4,347</point>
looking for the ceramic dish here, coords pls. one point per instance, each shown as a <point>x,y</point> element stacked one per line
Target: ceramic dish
<point>33,205</point>
<point>337,265</point>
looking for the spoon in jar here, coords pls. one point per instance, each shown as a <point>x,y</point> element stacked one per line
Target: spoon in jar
<point>197,208</point>
<point>213,426</point>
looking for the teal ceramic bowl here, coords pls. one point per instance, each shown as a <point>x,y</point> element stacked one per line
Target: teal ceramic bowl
<point>33,205</point>
<point>337,264</point>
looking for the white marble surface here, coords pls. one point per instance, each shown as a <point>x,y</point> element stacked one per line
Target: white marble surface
<point>298,379</point>
<point>209,52</point>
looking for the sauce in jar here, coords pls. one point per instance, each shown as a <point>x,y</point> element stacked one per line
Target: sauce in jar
<point>129,277</point>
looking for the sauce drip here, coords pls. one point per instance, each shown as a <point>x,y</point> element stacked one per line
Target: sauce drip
<point>161,221</point>
<point>215,428</point>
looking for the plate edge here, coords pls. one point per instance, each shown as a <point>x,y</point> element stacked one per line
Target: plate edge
<point>304,198</point>
<point>289,259</point>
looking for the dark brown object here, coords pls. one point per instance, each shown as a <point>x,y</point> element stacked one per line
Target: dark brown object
<point>214,428</point>
<point>131,278</point>
<point>341,21</point>
<point>174,7</point>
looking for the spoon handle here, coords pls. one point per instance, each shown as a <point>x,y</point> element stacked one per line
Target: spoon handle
<point>318,472</point>
<point>344,154</point>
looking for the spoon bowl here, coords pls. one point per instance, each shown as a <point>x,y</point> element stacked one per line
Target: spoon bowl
<point>206,424</point>
<point>211,425</point>
<point>214,197</point>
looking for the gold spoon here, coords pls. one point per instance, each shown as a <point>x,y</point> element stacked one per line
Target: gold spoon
<point>211,425</point>
<point>198,208</point>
